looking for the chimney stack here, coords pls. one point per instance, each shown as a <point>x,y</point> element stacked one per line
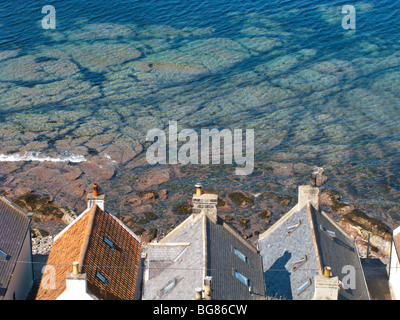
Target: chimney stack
<point>76,286</point>
<point>326,286</point>
<point>205,203</point>
<point>94,198</point>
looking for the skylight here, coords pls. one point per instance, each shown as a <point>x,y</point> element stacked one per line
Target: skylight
<point>328,232</point>
<point>291,228</point>
<point>303,287</point>
<point>297,264</point>
<point>109,242</point>
<point>168,287</point>
<point>242,278</point>
<point>4,255</point>
<point>101,277</point>
<point>240,255</point>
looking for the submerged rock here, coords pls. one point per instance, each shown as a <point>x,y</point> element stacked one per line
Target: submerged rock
<point>30,68</point>
<point>190,61</point>
<point>97,31</point>
<point>100,56</point>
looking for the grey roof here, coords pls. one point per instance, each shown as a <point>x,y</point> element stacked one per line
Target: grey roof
<point>338,252</point>
<point>14,227</point>
<point>280,250</point>
<point>197,248</point>
<point>177,262</point>
<point>222,264</point>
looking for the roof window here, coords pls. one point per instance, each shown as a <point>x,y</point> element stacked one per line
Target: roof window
<point>4,255</point>
<point>240,255</point>
<point>168,287</point>
<point>242,278</point>
<point>291,228</point>
<point>303,287</point>
<point>102,278</point>
<point>109,242</point>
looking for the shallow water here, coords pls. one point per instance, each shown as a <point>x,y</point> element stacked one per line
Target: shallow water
<point>314,93</point>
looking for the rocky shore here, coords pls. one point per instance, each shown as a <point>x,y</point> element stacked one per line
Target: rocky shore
<point>157,201</point>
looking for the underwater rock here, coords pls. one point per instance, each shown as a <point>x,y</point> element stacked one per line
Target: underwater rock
<point>100,56</point>
<point>8,54</point>
<point>307,81</point>
<point>31,68</point>
<point>259,44</point>
<point>190,61</point>
<point>97,31</point>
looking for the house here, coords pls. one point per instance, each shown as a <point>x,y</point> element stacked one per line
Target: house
<point>103,254</point>
<point>394,269</point>
<point>16,272</point>
<point>202,258</point>
<point>299,249</point>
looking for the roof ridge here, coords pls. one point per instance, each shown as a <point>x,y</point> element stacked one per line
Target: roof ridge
<point>314,237</point>
<point>92,212</point>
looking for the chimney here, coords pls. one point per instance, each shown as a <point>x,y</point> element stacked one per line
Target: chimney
<point>308,194</point>
<point>326,286</point>
<point>95,198</point>
<point>207,288</point>
<point>76,286</point>
<point>205,203</point>
<point>316,177</point>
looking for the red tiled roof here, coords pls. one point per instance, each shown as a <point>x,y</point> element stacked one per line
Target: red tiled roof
<point>83,241</point>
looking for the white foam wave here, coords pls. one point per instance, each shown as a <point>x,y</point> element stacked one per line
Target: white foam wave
<point>35,156</point>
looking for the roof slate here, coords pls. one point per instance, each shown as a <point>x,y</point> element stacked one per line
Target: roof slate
<point>14,227</point>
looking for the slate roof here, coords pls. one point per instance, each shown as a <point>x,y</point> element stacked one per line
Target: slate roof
<point>197,248</point>
<point>309,247</point>
<point>14,227</point>
<point>84,241</point>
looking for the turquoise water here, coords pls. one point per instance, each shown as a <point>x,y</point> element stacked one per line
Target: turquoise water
<point>314,93</point>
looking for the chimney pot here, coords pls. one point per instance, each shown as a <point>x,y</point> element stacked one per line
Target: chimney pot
<point>75,268</point>
<point>327,272</point>
<point>95,190</point>
<point>198,187</point>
